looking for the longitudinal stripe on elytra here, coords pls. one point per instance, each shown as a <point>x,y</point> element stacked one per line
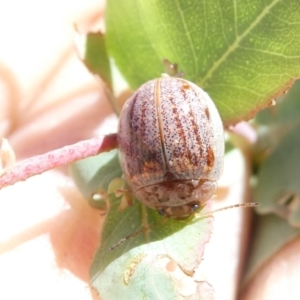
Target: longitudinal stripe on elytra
<point>183,151</point>
<point>160,124</point>
<point>132,130</point>
<point>195,128</point>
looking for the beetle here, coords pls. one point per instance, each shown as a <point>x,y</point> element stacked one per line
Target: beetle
<point>171,146</point>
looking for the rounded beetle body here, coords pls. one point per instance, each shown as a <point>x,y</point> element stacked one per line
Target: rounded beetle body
<point>171,146</point>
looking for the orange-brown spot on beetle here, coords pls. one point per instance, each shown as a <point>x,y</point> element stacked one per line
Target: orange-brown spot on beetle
<point>150,167</point>
<point>185,87</point>
<point>210,158</point>
<point>206,111</point>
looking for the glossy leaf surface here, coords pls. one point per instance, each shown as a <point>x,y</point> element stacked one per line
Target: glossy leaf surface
<point>242,53</point>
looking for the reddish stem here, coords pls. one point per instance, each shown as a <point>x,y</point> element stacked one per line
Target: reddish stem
<point>56,158</point>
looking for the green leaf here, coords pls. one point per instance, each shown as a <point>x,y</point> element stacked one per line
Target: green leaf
<point>137,269</point>
<point>275,122</point>
<point>94,174</point>
<point>96,58</point>
<point>285,113</point>
<point>278,187</point>
<point>242,53</point>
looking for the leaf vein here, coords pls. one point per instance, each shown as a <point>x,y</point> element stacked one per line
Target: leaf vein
<point>236,43</point>
<point>271,52</point>
<point>188,36</point>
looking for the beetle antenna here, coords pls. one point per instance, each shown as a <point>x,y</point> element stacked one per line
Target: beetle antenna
<point>241,205</point>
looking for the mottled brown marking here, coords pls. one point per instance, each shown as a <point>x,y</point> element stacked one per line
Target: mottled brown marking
<point>185,86</point>
<point>143,117</point>
<point>181,134</point>
<point>152,166</point>
<point>141,134</point>
<point>131,151</point>
<point>131,111</point>
<point>140,137</point>
<point>207,113</point>
<point>210,158</point>
<point>196,131</point>
<point>160,125</point>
